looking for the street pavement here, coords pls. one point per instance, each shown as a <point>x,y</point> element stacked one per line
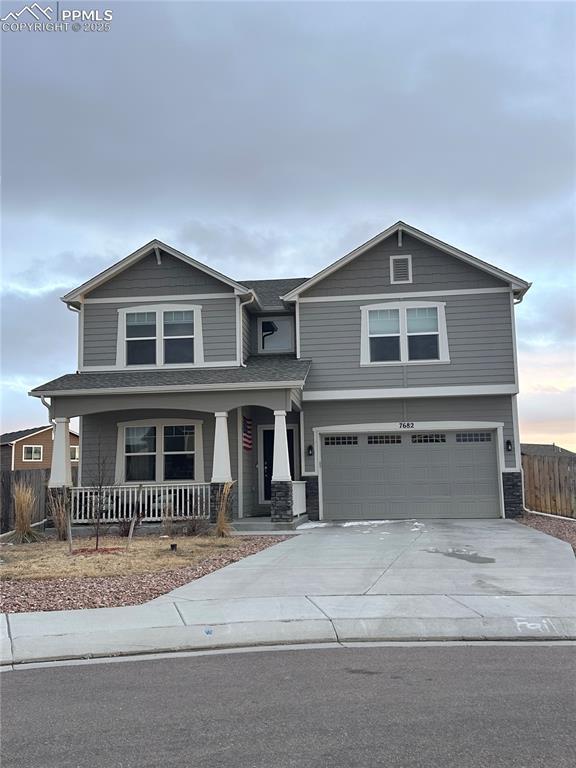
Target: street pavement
<point>397,707</point>
<point>392,580</point>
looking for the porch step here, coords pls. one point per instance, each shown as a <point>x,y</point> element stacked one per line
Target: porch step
<point>265,525</point>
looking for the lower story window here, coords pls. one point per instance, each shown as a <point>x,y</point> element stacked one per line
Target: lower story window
<point>140,452</point>
<point>160,453</point>
<point>179,452</point>
<point>32,453</point>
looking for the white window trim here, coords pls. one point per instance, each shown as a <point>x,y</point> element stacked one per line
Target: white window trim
<point>402,306</point>
<point>159,424</point>
<point>267,318</point>
<point>77,448</point>
<point>396,258</point>
<point>159,310</point>
<point>32,446</point>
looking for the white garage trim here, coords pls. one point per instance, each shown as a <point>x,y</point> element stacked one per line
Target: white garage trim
<point>415,426</point>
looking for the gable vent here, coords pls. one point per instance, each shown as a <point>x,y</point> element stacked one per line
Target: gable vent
<point>400,269</point>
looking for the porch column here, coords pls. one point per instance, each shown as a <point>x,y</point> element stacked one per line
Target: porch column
<point>61,471</point>
<point>221,464</point>
<point>281,492</point>
<point>281,457</point>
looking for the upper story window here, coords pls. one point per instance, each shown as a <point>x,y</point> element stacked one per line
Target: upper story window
<point>404,333</point>
<point>160,335</point>
<point>74,453</point>
<point>141,338</point>
<point>275,334</point>
<point>178,336</point>
<point>32,453</point>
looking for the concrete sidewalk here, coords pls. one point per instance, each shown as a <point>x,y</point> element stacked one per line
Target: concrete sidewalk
<point>396,580</point>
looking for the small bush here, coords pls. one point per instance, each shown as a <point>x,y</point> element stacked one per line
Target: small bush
<point>124,528</point>
<point>196,527</point>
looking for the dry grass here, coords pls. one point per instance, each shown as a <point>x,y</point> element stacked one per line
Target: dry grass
<point>58,505</point>
<point>50,559</point>
<point>24,500</point>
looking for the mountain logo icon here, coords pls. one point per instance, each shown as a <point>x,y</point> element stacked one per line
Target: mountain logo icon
<point>35,10</point>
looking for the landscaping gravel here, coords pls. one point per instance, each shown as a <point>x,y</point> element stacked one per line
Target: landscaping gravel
<point>110,591</point>
<point>561,527</point>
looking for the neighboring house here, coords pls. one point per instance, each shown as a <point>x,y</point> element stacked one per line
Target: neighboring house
<point>543,449</point>
<point>32,448</point>
<point>382,387</point>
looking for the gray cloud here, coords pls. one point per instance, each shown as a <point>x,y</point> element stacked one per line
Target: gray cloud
<point>248,109</point>
<point>38,336</point>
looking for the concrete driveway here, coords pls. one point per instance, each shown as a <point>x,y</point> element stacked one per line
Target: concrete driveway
<point>438,557</point>
<point>439,580</point>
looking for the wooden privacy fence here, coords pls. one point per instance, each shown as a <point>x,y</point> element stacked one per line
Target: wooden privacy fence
<point>550,484</point>
<point>37,479</point>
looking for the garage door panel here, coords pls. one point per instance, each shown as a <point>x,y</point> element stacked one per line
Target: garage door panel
<point>444,474</point>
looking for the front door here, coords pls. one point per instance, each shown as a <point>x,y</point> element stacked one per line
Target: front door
<point>267,437</point>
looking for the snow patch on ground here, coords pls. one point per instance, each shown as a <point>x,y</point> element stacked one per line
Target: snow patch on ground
<point>416,526</point>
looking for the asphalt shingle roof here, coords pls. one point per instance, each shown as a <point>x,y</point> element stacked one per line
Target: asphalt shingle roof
<point>265,369</point>
<point>269,291</point>
<point>10,437</point>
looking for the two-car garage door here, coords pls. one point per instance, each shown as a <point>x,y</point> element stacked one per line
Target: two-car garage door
<point>371,476</point>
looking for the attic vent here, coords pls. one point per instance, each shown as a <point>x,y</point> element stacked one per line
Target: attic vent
<point>400,269</point>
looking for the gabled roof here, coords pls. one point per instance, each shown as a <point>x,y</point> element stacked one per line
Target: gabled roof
<point>12,437</point>
<point>518,285</point>
<point>262,372</point>
<point>153,246</point>
<point>268,292</point>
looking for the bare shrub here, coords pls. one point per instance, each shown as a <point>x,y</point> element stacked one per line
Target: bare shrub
<point>196,527</point>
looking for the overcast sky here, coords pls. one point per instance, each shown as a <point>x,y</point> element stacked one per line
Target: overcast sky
<point>268,139</point>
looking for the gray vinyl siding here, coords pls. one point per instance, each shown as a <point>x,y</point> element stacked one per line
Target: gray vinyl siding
<point>100,434</point>
<point>336,412</point>
<point>218,330</point>
<point>480,342</point>
<point>432,270</point>
<point>171,277</point>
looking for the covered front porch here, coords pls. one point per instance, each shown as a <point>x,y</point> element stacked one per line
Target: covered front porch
<point>169,455</point>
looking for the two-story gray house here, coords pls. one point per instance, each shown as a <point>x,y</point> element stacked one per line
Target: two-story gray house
<point>382,387</point>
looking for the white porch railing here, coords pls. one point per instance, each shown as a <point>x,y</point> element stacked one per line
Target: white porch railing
<point>298,497</point>
<point>155,502</point>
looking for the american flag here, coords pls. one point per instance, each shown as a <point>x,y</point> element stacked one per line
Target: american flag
<point>247,433</point>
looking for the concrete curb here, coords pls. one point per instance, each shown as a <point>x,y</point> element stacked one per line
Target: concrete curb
<point>24,646</point>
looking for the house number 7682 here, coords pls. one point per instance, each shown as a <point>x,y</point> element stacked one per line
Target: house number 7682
<point>406,424</point>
